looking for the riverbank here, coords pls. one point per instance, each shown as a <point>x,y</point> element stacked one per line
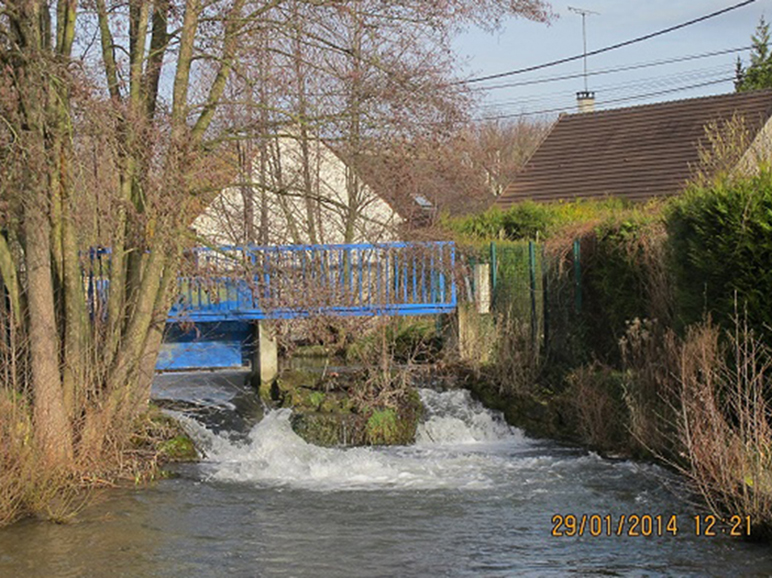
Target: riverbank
<point>640,331</point>
<point>29,490</point>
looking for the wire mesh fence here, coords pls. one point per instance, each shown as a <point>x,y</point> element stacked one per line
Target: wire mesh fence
<point>536,287</point>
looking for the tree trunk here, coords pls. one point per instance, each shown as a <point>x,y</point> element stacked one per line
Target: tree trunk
<point>52,427</point>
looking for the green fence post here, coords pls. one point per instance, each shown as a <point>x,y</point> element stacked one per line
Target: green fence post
<point>577,277</point>
<point>532,269</point>
<point>494,271</point>
<point>545,294</point>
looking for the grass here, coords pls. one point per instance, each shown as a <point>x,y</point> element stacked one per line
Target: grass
<point>26,489</point>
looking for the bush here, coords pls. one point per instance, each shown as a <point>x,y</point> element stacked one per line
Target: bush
<point>720,239</point>
<point>529,220</point>
<point>597,395</point>
<point>623,278</point>
<point>725,427</point>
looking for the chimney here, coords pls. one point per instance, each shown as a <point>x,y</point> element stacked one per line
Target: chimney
<point>585,101</point>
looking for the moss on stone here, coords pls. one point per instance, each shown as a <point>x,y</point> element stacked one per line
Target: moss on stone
<point>314,351</point>
<point>539,413</point>
<point>178,449</point>
<point>382,427</point>
<point>328,429</point>
<point>325,413</point>
<point>163,436</point>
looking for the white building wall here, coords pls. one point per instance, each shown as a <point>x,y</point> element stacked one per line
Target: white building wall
<point>285,198</point>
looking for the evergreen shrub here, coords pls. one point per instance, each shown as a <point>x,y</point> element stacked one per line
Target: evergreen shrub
<point>720,241</point>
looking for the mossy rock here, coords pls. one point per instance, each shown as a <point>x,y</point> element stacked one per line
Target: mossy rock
<point>293,379</point>
<point>312,351</point>
<point>325,414</point>
<point>284,390</point>
<point>178,449</point>
<point>157,432</point>
<point>389,426</point>
<point>339,403</point>
<point>537,412</point>
<point>329,429</point>
<point>303,399</point>
<point>382,428</point>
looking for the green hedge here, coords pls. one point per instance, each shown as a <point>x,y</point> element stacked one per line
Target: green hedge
<point>530,220</point>
<point>720,240</point>
<point>615,272</point>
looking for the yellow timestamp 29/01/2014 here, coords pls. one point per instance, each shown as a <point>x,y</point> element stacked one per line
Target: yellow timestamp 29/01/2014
<point>648,525</point>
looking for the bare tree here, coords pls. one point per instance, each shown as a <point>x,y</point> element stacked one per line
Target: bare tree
<point>124,105</point>
<point>87,376</point>
<point>356,77</point>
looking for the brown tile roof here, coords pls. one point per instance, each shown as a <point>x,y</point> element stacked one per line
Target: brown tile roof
<point>635,153</point>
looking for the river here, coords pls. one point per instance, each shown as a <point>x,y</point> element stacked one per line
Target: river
<point>473,497</point>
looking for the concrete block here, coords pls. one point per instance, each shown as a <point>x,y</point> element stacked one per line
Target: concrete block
<point>265,365</point>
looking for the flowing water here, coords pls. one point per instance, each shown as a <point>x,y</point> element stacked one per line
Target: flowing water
<point>473,497</point>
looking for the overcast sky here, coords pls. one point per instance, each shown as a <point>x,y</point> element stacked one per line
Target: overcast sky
<point>521,43</point>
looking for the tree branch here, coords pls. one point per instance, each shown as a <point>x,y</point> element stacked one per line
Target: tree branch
<point>108,51</point>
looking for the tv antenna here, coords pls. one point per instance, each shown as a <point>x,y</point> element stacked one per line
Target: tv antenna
<point>584,14</point>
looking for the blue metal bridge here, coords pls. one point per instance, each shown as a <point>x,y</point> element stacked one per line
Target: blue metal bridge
<point>296,281</point>
<point>223,291</point>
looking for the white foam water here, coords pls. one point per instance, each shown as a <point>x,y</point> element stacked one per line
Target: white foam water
<point>458,446</point>
<point>452,417</point>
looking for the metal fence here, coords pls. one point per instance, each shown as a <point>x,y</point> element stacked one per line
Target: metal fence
<point>540,289</point>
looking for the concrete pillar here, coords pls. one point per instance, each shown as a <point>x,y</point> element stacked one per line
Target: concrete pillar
<point>466,333</point>
<point>265,362</point>
<point>482,285</point>
<point>471,334</point>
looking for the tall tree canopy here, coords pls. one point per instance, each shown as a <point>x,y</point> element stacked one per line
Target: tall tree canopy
<point>759,74</point>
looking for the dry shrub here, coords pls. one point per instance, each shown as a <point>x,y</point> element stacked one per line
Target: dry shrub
<point>518,361</point>
<point>721,149</point>
<point>596,395</point>
<point>725,425</point>
<point>701,404</point>
<point>25,487</point>
<point>651,356</point>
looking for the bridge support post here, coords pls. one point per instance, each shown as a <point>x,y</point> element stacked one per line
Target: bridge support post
<point>467,332</point>
<point>482,287</point>
<point>470,333</point>
<point>265,361</point>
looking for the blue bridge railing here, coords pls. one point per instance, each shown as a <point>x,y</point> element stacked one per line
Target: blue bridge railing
<point>284,282</point>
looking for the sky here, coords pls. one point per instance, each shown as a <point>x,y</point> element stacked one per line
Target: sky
<point>522,43</point>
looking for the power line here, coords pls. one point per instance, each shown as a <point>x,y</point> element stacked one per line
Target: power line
<point>611,101</point>
<point>614,70</point>
<point>668,79</point>
<point>607,48</point>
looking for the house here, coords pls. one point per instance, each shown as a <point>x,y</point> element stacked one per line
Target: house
<point>300,192</point>
<point>642,152</point>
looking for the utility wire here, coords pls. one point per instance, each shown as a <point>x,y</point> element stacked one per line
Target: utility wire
<point>626,68</point>
<point>653,81</point>
<point>607,48</point>
<point>607,102</point>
